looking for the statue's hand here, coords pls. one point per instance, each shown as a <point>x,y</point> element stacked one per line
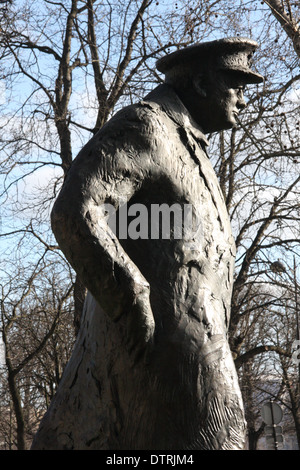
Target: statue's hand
<point>140,327</point>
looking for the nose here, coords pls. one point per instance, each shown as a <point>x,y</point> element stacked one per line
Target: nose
<point>241,103</point>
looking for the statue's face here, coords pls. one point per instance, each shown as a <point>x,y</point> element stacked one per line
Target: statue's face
<point>224,99</point>
<point>228,100</point>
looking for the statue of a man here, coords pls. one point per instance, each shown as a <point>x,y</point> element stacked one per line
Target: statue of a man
<point>151,367</point>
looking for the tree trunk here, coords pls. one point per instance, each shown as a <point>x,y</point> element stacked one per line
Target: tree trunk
<point>253,437</point>
<point>16,399</point>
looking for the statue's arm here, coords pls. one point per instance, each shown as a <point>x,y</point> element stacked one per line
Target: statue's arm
<point>101,175</point>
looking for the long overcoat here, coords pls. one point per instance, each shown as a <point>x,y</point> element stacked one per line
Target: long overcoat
<point>184,394</point>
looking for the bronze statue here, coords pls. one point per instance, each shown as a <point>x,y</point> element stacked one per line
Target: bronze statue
<point>151,367</point>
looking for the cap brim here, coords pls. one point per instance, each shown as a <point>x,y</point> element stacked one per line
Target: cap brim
<point>248,75</point>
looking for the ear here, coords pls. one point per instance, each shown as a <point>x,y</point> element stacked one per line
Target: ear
<point>199,85</point>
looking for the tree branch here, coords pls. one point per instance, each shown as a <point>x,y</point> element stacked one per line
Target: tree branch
<point>239,361</point>
<point>288,23</point>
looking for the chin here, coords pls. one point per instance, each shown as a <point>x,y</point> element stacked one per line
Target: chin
<point>221,125</point>
<point>224,126</point>
<point>229,124</point>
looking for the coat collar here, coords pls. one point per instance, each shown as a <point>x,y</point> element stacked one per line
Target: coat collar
<point>167,98</point>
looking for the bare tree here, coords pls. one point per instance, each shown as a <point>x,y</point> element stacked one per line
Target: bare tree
<point>32,314</point>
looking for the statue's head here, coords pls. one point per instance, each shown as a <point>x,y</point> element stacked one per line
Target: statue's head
<point>210,78</point>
